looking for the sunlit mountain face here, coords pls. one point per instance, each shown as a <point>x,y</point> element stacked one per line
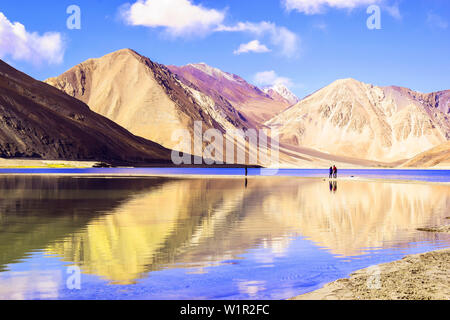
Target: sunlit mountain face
<point>351,118</point>
<point>147,99</point>
<point>122,230</point>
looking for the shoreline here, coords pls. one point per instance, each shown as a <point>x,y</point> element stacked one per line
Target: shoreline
<point>423,276</point>
<point>59,172</point>
<point>71,164</point>
<point>220,176</point>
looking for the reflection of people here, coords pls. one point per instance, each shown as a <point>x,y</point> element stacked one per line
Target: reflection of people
<point>333,186</point>
<point>331,173</point>
<point>335,172</point>
<point>246,174</point>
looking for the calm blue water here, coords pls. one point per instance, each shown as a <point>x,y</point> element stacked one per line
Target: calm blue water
<point>271,237</point>
<point>396,174</point>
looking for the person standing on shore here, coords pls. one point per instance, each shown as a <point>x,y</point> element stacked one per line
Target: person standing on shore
<point>246,175</point>
<point>335,172</point>
<point>331,173</point>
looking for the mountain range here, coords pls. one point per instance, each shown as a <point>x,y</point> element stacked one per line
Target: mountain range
<point>351,118</point>
<point>256,105</point>
<point>148,99</point>
<point>279,92</point>
<point>349,123</point>
<point>39,121</point>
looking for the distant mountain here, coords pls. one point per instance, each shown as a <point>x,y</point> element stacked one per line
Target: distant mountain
<point>436,157</point>
<point>146,98</point>
<point>351,118</point>
<point>39,121</point>
<point>347,122</point>
<point>435,101</point>
<point>280,92</point>
<point>256,105</point>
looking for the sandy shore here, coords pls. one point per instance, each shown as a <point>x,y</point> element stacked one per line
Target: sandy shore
<point>423,276</point>
<point>24,164</point>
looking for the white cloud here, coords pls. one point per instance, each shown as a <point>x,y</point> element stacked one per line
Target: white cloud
<point>270,78</point>
<point>319,6</point>
<point>252,46</point>
<point>178,17</point>
<point>19,44</point>
<point>436,21</point>
<point>287,41</point>
<point>311,7</point>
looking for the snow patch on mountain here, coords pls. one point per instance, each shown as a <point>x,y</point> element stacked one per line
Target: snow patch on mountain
<point>283,91</point>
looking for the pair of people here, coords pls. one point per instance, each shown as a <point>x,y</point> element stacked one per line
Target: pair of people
<point>333,172</point>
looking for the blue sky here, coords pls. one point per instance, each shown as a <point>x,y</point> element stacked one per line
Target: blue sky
<point>304,43</point>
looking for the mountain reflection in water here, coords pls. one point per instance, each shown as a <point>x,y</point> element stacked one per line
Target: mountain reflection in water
<point>123,229</point>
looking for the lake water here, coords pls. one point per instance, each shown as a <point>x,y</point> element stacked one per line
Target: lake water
<point>271,237</point>
<point>394,174</point>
